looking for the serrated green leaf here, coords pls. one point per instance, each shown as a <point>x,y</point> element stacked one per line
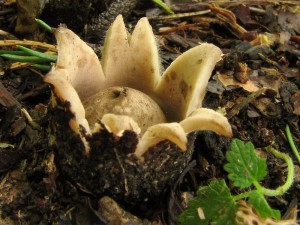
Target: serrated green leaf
<point>216,203</point>
<point>244,167</point>
<point>259,203</point>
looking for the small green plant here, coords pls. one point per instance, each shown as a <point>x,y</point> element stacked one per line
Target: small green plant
<point>214,204</point>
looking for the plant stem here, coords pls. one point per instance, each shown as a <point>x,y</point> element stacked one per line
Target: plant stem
<point>292,144</point>
<point>290,174</point>
<point>242,195</point>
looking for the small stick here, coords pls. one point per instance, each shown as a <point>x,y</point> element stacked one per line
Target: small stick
<point>6,98</point>
<point>31,122</point>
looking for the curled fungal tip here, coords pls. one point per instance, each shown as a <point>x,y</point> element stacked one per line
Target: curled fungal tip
<point>160,132</point>
<point>207,119</point>
<point>117,124</point>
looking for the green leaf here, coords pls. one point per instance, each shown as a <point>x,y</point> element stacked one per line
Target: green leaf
<point>44,25</point>
<point>216,203</point>
<point>10,52</point>
<point>244,166</point>
<point>259,203</point>
<point>41,67</point>
<point>21,58</point>
<point>164,6</point>
<point>48,57</point>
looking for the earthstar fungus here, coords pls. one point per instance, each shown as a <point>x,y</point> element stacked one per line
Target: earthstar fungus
<point>123,118</point>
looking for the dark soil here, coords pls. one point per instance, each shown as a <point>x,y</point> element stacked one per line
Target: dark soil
<point>257,84</point>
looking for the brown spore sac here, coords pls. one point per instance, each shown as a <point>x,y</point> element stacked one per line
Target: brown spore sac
<point>124,101</point>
